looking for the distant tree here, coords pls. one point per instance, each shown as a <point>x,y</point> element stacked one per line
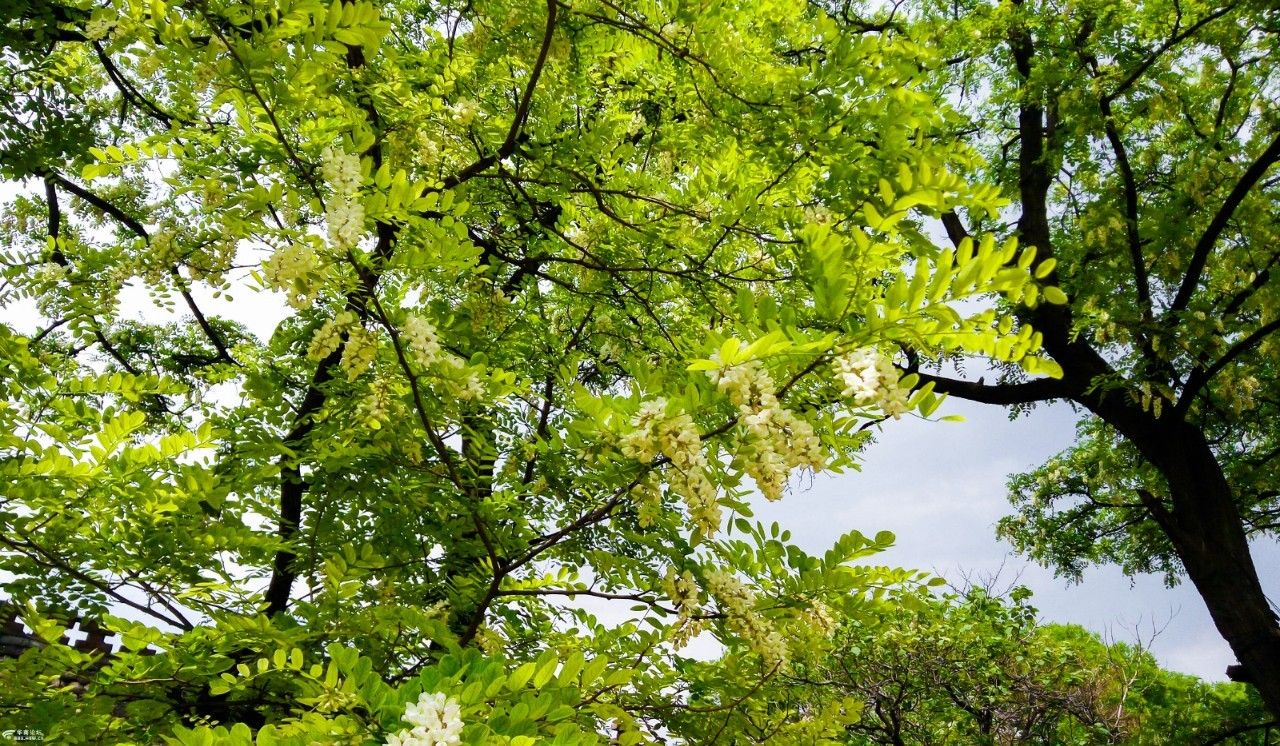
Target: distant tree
<point>1140,142</point>
<point>976,669</point>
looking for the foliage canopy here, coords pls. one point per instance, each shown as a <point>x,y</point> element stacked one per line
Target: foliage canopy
<point>560,283</point>
<point>557,286</point>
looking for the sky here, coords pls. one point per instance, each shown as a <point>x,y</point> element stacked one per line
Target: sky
<point>939,486</point>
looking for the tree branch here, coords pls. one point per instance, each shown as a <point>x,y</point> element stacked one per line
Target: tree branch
<point>361,301</point>
<point>1027,392</point>
<point>59,258</point>
<point>128,90</point>
<point>508,146</point>
<point>956,232</point>
<point>136,226</point>
<point>1204,247</point>
<point>1169,44</point>
<point>1134,241</point>
<point>103,205</point>
<point>1226,735</point>
<point>1202,376</point>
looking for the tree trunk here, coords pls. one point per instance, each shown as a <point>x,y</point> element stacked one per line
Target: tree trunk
<point>1207,532</point>
<point>1226,580</point>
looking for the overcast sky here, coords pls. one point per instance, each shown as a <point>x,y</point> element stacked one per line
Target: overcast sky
<point>939,486</point>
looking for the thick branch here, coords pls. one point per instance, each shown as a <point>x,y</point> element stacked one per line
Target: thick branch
<point>1027,392</point>
<point>103,205</point>
<point>956,232</point>
<point>55,219</point>
<point>128,90</point>
<point>1241,730</point>
<point>508,146</point>
<point>134,225</point>
<point>1172,41</point>
<point>1130,186</point>
<point>292,485</point>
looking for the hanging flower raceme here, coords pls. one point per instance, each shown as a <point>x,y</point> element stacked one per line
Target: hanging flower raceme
<point>870,379</point>
<point>435,719</point>
<point>359,353</point>
<point>422,343</point>
<point>778,441</point>
<point>293,270</point>
<point>341,171</point>
<point>422,340</point>
<point>344,212</point>
<point>345,218</point>
<point>682,589</point>
<point>648,500</point>
<point>676,437</point>
<point>739,605</point>
<point>329,337</point>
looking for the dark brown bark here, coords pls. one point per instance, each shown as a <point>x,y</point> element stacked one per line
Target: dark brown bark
<point>1204,523</point>
<point>292,485</point>
<point>1207,532</point>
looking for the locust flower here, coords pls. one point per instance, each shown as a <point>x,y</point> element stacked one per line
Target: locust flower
<point>870,379</point>
<point>435,720</point>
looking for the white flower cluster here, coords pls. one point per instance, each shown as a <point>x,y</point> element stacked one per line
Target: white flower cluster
<point>376,405</point>
<point>162,245</point>
<point>99,26</point>
<point>739,605</point>
<point>870,379</point>
<point>345,218</point>
<point>682,589</point>
<point>464,112</point>
<point>422,340</point>
<point>162,254</point>
<point>436,721</point>
<point>1240,391</point>
<point>213,193</point>
<point>344,213</point>
<point>677,438</point>
<point>472,387</point>
<point>358,355</point>
<point>341,171</point>
<point>818,618</point>
<point>51,273</point>
<point>292,269</point>
<point>648,498</point>
<point>202,75</point>
<point>329,337</point>
<point>778,440</point>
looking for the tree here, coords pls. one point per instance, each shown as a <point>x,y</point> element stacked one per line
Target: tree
<point>1141,142</point>
<point>557,279</point>
<point>975,668</point>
